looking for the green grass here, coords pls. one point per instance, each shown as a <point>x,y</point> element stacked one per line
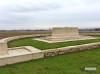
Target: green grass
<point>43,45</point>
<point>72,63</point>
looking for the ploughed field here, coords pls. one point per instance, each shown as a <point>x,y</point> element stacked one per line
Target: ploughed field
<point>43,45</point>
<point>17,33</point>
<point>10,34</point>
<point>71,63</point>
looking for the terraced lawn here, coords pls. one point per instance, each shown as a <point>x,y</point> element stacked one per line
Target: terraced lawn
<point>43,45</point>
<point>72,63</point>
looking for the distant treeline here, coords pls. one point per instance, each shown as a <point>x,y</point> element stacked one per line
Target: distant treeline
<point>93,29</point>
<point>24,30</point>
<point>28,30</point>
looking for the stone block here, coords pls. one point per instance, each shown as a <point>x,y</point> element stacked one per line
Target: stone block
<point>3,48</point>
<point>65,32</point>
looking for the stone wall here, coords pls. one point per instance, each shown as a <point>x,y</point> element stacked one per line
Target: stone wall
<point>12,58</point>
<point>3,42</point>
<point>3,48</point>
<point>22,36</point>
<point>57,51</point>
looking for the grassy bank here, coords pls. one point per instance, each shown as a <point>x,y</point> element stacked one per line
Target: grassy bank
<point>72,63</point>
<point>43,45</point>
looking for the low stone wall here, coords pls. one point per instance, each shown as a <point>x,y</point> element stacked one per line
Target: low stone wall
<point>3,42</point>
<point>57,51</point>
<point>22,36</point>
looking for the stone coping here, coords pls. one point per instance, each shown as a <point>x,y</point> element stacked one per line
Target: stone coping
<point>34,53</point>
<point>29,50</point>
<point>62,50</point>
<point>20,54</point>
<point>51,41</point>
<point>5,40</point>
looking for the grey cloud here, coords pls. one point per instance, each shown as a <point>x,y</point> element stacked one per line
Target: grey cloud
<point>17,20</point>
<point>45,13</point>
<point>84,16</point>
<point>90,3</point>
<point>32,7</point>
<point>14,14</point>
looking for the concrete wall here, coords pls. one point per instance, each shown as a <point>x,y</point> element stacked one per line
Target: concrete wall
<point>65,32</point>
<point>14,59</point>
<point>22,36</point>
<point>11,58</point>
<point>21,58</point>
<point>3,42</point>
<point>3,48</point>
<point>57,51</point>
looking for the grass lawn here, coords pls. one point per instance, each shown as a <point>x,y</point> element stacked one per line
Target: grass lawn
<point>43,45</point>
<point>72,63</point>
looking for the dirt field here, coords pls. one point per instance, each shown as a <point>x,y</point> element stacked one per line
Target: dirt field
<point>90,33</point>
<point>10,34</point>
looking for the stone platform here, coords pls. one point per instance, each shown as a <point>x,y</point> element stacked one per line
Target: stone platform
<point>20,54</point>
<point>57,39</point>
<point>61,34</point>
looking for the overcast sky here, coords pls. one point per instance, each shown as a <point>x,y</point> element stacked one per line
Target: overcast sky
<point>40,14</point>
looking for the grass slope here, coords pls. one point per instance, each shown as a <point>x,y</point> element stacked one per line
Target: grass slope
<point>43,45</point>
<point>72,63</point>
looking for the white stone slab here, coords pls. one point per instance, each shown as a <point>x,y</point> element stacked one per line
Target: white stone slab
<point>20,54</point>
<point>15,52</point>
<point>54,41</point>
<point>90,68</point>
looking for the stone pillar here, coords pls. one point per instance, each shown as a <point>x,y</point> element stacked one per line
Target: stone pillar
<point>3,48</point>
